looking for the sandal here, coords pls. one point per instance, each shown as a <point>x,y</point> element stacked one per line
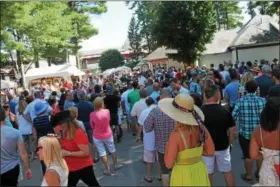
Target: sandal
<point>149,181</point>
<point>244,178</point>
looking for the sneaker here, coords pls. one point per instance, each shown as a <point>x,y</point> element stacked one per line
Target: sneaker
<point>107,172</point>
<point>118,166</point>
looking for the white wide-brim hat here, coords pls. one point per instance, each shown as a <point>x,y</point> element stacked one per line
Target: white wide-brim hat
<point>182,109</point>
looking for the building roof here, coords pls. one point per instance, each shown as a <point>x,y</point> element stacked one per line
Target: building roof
<point>257,26</point>
<point>160,53</point>
<point>220,42</point>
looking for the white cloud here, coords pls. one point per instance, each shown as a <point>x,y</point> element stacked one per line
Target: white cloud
<point>112,27</point>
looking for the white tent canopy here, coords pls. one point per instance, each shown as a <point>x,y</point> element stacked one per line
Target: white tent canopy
<point>8,84</point>
<point>65,71</point>
<point>124,69</point>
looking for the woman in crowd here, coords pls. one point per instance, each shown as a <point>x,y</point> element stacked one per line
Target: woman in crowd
<point>25,127</point>
<point>41,124</point>
<point>102,134</point>
<point>218,79</point>
<point>74,113</point>
<point>187,143</point>
<point>49,150</point>
<point>53,104</point>
<point>69,100</point>
<point>263,139</point>
<point>75,145</point>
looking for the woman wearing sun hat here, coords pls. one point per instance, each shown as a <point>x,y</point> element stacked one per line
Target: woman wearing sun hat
<point>187,143</point>
<point>41,124</point>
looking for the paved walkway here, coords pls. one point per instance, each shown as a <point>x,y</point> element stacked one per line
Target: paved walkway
<point>133,172</point>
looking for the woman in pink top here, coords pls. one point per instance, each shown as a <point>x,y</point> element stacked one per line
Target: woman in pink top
<point>102,134</point>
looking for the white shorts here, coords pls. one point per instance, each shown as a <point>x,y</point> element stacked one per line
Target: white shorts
<point>150,156</point>
<point>100,144</point>
<point>223,161</point>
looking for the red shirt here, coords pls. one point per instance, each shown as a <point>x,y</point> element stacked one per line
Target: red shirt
<point>76,163</point>
<point>178,76</point>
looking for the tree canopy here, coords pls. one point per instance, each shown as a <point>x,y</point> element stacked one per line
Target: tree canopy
<point>228,14</point>
<point>111,58</point>
<point>265,7</point>
<point>46,29</point>
<point>186,27</point>
<point>134,38</point>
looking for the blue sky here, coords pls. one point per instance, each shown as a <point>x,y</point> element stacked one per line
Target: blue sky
<point>113,26</point>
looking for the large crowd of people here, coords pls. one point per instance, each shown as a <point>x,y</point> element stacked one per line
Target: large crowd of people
<point>186,120</point>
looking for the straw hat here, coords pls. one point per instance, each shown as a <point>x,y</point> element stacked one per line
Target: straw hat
<point>182,109</point>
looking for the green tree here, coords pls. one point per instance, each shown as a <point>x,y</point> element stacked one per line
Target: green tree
<point>134,37</point>
<point>186,27</point>
<point>111,58</point>
<point>250,9</point>
<point>81,27</point>
<point>145,14</point>
<point>228,14</point>
<point>266,7</point>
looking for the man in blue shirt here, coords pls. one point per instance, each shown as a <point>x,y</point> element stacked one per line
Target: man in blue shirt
<point>156,93</point>
<point>84,109</point>
<point>231,90</point>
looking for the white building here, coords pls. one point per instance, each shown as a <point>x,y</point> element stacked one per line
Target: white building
<point>257,39</point>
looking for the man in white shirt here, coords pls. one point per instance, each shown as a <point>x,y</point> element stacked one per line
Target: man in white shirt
<point>138,107</point>
<point>148,140</point>
<point>141,79</point>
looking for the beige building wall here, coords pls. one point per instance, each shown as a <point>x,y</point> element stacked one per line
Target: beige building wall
<point>174,63</point>
<point>252,54</point>
<point>215,59</point>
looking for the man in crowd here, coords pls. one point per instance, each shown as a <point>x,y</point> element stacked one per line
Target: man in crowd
<point>247,114</point>
<point>224,73</point>
<point>178,88</point>
<point>30,110</point>
<point>148,139</point>
<point>149,87</point>
<point>162,125</point>
<point>84,109</point>
<point>219,122</point>
<point>231,90</point>
<point>12,148</point>
<point>274,91</point>
<point>136,112</point>
<point>265,82</point>
<point>112,103</point>
<point>126,106</point>
<point>156,92</point>
<point>132,98</point>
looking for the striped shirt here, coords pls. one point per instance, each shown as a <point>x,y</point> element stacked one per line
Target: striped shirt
<point>247,113</point>
<point>42,126</point>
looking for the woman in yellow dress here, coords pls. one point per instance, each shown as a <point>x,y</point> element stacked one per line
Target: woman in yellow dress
<point>187,143</point>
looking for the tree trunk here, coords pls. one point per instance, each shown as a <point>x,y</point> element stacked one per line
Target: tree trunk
<point>49,62</point>
<point>36,58</point>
